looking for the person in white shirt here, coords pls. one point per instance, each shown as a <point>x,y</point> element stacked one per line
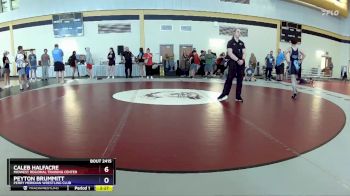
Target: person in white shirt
<point>89,63</point>
<point>21,61</point>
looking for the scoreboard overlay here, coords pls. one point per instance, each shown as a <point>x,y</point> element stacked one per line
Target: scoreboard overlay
<point>97,174</point>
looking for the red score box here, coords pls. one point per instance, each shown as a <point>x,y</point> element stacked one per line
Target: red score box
<point>86,169</point>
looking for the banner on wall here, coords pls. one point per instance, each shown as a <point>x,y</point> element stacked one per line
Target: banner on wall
<point>229,30</point>
<point>237,1</point>
<point>114,28</point>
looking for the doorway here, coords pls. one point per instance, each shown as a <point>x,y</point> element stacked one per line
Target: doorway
<point>166,53</point>
<point>184,56</point>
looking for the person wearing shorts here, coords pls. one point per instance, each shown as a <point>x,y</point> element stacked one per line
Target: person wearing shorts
<point>21,68</point>
<point>57,55</point>
<point>111,63</point>
<point>282,71</point>
<point>149,63</point>
<point>280,65</point>
<point>89,62</point>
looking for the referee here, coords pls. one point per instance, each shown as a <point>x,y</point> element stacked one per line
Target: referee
<point>236,66</point>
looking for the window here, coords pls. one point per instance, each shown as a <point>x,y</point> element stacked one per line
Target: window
<point>8,5</point>
<point>14,4</point>
<point>4,6</point>
<point>166,27</point>
<point>186,28</point>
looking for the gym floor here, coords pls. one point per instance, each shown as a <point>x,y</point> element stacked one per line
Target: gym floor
<point>171,136</point>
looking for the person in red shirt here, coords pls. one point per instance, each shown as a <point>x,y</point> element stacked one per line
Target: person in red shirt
<point>149,63</point>
<point>195,63</point>
<point>220,65</point>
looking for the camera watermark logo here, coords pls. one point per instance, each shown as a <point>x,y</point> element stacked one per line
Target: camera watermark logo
<point>330,12</point>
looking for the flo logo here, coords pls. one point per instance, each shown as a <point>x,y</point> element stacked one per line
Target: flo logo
<point>330,12</point>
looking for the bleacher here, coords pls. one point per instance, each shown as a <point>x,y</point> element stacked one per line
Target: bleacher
<point>313,72</point>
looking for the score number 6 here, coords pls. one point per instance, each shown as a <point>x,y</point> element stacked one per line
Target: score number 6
<point>106,179</point>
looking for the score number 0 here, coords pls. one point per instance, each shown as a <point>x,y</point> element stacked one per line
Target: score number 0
<point>106,179</point>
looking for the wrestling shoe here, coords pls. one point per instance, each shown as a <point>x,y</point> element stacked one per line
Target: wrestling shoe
<point>239,99</point>
<point>222,97</point>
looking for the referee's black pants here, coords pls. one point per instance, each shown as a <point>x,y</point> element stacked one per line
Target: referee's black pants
<point>128,65</point>
<point>268,73</point>
<point>234,71</point>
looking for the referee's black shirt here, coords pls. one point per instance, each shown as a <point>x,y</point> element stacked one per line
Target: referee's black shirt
<point>237,47</point>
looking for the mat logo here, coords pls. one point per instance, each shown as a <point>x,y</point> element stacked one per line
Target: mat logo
<point>330,12</point>
<point>174,94</point>
<point>167,96</point>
